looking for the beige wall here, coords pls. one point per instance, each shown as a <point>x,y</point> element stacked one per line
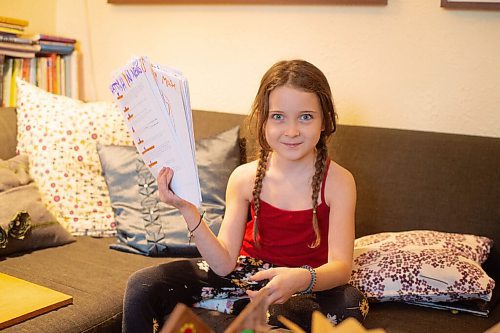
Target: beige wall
<point>40,14</point>
<point>410,64</point>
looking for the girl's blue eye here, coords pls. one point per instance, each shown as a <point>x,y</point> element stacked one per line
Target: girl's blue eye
<point>277,116</point>
<point>306,116</point>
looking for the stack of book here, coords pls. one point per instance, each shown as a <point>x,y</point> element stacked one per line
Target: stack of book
<point>49,62</point>
<point>11,42</point>
<point>54,44</point>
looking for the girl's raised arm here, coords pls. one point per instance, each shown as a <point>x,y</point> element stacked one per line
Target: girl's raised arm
<point>220,253</point>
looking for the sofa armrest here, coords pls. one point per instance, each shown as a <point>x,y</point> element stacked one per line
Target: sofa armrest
<point>8,132</point>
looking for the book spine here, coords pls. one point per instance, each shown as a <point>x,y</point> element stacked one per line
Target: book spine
<point>16,69</point>
<point>19,47</point>
<point>50,74</point>
<point>2,66</point>
<point>59,49</point>
<point>57,75</point>
<point>62,76</point>
<point>44,82</point>
<point>12,26</point>
<point>25,69</point>
<point>42,37</point>
<point>44,42</point>
<point>15,21</point>
<point>67,73</point>
<point>17,53</point>
<point>7,78</point>
<point>74,68</point>
<point>10,31</point>
<point>38,77</point>
<point>14,39</point>
<point>33,69</point>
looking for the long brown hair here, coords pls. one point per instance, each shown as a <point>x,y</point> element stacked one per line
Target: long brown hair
<point>305,76</point>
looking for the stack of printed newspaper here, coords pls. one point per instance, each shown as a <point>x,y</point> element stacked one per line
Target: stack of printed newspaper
<point>154,100</point>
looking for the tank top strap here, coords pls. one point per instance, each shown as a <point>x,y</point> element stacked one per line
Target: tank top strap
<point>324,181</point>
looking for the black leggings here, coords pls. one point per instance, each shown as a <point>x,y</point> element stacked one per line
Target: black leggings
<point>153,292</point>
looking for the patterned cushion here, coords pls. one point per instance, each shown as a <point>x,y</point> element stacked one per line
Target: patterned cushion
<point>422,265</point>
<point>25,223</point>
<point>59,134</point>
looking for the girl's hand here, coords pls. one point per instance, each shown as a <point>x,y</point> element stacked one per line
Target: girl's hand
<point>283,283</point>
<point>166,194</point>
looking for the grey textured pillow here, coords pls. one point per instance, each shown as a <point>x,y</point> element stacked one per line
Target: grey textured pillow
<point>25,223</point>
<point>149,227</point>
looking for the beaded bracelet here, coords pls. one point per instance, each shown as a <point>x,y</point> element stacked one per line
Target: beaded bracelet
<point>313,280</point>
<point>190,232</point>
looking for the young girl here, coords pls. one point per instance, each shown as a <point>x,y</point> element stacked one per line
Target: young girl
<point>299,241</point>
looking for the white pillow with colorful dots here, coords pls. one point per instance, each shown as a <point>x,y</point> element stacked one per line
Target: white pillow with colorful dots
<point>59,134</point>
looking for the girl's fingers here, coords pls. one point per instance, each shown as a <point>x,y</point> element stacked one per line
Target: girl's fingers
<point>263,275</point>
<point>165,176</point>
<point>270,298</point>
<point>251,293</point>
<point>162,171</point>
<point>170,174</point>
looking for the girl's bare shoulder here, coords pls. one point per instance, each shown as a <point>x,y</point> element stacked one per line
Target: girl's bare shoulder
<point>245,171</point>
<point>339,182</point>
<point>243,178</point>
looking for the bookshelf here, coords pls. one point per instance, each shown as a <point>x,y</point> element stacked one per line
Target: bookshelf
<point>47,61</point>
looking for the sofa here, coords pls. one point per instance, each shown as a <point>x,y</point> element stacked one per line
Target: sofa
<point>406,180</point>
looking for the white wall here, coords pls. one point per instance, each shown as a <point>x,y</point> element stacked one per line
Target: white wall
<point>410,64</point>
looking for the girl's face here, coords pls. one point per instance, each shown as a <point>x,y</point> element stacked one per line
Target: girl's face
<point>294,123</point>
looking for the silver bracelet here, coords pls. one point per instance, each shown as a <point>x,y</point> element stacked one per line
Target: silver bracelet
<point>313,280</point>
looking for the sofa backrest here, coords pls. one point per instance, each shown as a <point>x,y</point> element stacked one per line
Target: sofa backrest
<point>206,124</point>
<point>423,180</point>
<point>405,179</point>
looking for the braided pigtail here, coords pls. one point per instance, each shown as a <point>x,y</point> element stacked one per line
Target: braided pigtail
<point>320,166</point>
<point>257,188</point>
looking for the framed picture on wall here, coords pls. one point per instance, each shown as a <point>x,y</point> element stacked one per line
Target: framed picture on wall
<point>252,2</point>
<point>471,4</point>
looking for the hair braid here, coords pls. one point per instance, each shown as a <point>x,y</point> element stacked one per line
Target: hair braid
<point>305,76</point>
<point>320,165</point>
<point>257,188</point>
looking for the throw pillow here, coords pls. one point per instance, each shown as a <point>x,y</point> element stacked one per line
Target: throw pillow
<point>422,265</point>
<point>59,134</point>
<point>144,224</point>
<point>25,223</point>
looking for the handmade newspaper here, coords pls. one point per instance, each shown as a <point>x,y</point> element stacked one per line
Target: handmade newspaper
<point>154,100</point>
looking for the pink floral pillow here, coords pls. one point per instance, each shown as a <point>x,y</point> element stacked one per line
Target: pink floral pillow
<point>422,265</point>
<point>59,134</point>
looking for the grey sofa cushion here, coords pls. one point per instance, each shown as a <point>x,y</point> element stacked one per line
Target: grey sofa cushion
<point>147,226</point>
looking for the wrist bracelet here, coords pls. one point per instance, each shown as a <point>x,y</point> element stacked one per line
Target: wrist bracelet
<point>190,232</point>
<point>309,289</point>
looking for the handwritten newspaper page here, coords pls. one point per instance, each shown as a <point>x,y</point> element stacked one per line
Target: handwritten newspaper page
<point>155,103</point>
<point>173,84</point>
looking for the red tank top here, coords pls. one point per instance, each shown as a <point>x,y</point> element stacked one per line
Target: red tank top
<point>285,236</point>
